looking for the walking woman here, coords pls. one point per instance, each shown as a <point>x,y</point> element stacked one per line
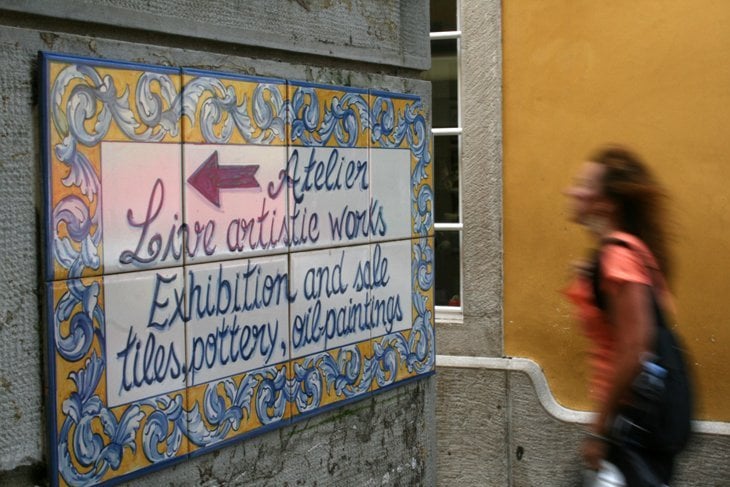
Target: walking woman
<point>617,200</point>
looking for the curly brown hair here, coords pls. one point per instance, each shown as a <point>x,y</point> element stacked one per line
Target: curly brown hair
<point>641,200</point>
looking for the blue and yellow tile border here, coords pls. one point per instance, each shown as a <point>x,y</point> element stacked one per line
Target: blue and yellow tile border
<point>222,108</point>
<point>399,121</point>
<point>86,101</point>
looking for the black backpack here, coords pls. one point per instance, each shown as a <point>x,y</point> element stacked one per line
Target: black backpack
<point>668,427</point>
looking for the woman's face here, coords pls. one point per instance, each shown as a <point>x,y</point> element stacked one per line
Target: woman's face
<point>585,192</point>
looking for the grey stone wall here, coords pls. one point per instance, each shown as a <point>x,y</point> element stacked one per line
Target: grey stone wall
<point>390,32</point>
<point>509,439</point>
<point>386,440</point>
<point>472,413</point>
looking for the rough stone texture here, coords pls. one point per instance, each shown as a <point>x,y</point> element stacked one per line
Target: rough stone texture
<point>21,418</point>
<point>550,447</point>
<point>704,462</point>
<point>393,32</point>
<point>543,450</point>
<point>381,441</point>
<point>493,430</point>
<point>471,408</point>
<point>375,441</point>
<point>480,334</point>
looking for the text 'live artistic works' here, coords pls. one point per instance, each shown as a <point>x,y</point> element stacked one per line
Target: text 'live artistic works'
<point>224,255</point>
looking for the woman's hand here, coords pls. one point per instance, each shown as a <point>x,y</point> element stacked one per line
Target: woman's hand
<point>594,449</point>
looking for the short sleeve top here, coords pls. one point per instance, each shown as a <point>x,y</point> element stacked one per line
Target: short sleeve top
<point>619,265</point>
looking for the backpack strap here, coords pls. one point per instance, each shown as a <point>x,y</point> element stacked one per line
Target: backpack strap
<point>596,281</point>
<point>596,274</point>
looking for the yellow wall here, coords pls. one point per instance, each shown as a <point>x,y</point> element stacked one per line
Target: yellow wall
<point>653,74</point>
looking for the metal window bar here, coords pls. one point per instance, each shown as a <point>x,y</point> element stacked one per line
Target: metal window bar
<point>446,131</point>
<point>448,227</point>
<point>453,313</point>
<point>452,34</point>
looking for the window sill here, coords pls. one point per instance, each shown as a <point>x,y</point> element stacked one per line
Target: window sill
<point>450,315</point>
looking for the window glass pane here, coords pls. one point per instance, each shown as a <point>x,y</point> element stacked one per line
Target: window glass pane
<point>446,179</point>
<point>443,15</point>
<point>443,76</point>
<point>448,269</point>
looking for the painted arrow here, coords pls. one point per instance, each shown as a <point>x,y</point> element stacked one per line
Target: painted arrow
<point>210,178</point>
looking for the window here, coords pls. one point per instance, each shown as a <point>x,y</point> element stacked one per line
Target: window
<point>446,101</point>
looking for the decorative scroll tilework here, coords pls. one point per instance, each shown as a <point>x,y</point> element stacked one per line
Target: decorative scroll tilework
<point>399,122</point>
<point>410,352</point>
<point>87,103</point>
<point>234,158</point>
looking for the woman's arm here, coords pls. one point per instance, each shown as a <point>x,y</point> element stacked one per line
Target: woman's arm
<point>630,313</point>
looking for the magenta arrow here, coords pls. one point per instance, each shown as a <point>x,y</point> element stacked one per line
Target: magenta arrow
<point>210,178</point>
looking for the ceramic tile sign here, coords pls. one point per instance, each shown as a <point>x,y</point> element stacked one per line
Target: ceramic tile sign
<point>347,323</point>
<point>237,345</point>
<point>234,166</point>
<point>224,255</point>
<point>399,151</point>
<point>113,217</point>
<point>144,231</point>
<point>403,327</point>
<point>328,167</point>
<point>330,326</point>
<point>143,335</point>
<point>128,117</point>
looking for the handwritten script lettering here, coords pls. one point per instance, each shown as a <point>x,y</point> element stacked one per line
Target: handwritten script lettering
<point>227,310</point>
<point>326,319</point>
<point>151,247</point>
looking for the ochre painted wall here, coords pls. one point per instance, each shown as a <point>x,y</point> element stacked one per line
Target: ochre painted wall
<point>655,75</point>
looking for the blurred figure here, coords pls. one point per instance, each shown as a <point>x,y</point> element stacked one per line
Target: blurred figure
<point>615,198</point>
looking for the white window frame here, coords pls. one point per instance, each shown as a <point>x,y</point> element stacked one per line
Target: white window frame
<point>453,313</point>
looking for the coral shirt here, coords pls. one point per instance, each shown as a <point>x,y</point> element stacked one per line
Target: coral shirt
<point>619,265</point>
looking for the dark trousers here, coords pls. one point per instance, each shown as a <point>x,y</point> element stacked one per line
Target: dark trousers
<point>642,467</point>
